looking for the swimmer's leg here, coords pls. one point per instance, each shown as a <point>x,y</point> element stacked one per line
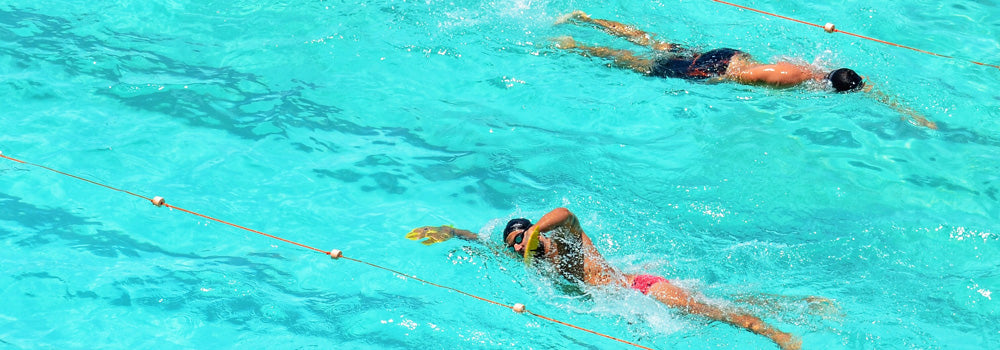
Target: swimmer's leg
<point>622,58</point>
<point>677,297</point>
<point>774,303</point>
<point>627,32</point>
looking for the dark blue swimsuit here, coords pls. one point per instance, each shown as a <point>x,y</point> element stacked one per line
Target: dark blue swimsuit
<point>710,64</point>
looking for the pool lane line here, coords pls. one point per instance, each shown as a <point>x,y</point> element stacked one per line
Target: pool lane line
<point>830,28</point>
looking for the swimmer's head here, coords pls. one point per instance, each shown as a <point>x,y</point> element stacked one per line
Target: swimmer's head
<point>845,80</point>
<point>520,224</point>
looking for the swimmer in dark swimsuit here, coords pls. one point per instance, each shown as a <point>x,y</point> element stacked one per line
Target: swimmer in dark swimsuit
<point>571,252</point>
<point>670,60</point>
<point>713,63</point>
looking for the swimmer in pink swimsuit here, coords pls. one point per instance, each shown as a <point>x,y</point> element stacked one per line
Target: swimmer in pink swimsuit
<point>574,256</point>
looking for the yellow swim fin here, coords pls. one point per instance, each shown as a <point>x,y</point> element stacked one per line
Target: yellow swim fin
<point>530,246</point>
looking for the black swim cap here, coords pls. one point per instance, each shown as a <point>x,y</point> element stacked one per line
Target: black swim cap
<point>514,224</point>
<point>845,79</point>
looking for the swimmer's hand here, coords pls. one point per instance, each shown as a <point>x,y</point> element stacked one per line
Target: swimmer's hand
<point>433,234</point>
<point>919,120</point>
<point>575,15</point>
<point>438,234</point>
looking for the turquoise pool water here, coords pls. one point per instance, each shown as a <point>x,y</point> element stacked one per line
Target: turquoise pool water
<point>345,124</point>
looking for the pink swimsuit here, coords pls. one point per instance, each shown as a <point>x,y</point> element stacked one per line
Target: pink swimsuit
<point>643,282</point>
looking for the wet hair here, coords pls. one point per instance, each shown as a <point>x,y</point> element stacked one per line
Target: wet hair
<point>845,80</point>
<point>513,225</point>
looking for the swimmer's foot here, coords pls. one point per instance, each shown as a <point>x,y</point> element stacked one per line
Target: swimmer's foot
<point>822,306</point>
<point>564,42</point>
<point>787,341</point>
<point>572,16</point>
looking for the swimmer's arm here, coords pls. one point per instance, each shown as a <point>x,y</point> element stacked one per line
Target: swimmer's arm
<point>559,217</point>
<point>463,234</point>
<point>569,231</point>
<point>437,234</point>
<point>781,74</point>
<point>917,119</point>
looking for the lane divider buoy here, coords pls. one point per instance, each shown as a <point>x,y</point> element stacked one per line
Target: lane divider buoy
<point>519,308</point>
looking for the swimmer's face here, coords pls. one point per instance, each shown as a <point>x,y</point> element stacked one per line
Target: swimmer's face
<point>514,241</point>
<point>513,234</point>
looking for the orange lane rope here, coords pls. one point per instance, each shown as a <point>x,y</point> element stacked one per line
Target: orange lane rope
<point>334,254</point>
<point>829,27</point>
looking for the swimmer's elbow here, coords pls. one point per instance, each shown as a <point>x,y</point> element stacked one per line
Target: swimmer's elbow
<point>557,216</point>
<point>561,212</point>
